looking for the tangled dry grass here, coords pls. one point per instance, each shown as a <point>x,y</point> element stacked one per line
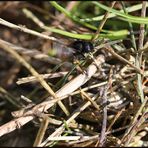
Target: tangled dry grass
<point>51,99</point>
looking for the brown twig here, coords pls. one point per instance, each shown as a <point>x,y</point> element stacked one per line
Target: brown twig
<point>104,122</point>
<point>103,22</point>
<point>134,120</point>
<point>26,30</point>
<point>109,49</point>
<point>139,56</point>
<point>45,76</point>
<point>41,132</point>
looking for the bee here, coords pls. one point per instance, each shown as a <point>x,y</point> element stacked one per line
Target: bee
<point>82,47</point>
<point>74,48</point>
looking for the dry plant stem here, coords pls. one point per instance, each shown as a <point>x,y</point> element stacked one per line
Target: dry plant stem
<point>117,130</point>
<point>84,140</point>
<point>67,138</point>
<point>134,130</point>
<point>134,120</point>
<point>41,131</point>
<point>68,88</point>
<point>82,78</point>
<point>104,123</point>
<point>14,124</point>
<point>33,72</point>
<point>102,22</point>
<point>21,112</point>
<point>33,53</point>
<point>139,56</point>
<point>109,49</point>
<point>89,99</point>
<point>91,87</point>
<point>45,76</point>
<point>65,90</point>
<point>96,136</point>
<point>51,102</point>
<point>60,130</point>
<point>114,120</point>
<point>76,83</point>
<point>54,121</point>
<point>141,35</point>
<point>24,29</point>
<point>145,48</point>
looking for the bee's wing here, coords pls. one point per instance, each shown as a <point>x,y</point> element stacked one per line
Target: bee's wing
<point>62,50</point>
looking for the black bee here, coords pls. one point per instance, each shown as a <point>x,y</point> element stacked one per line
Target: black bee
<point>82,47</point>
<point>75,48</point>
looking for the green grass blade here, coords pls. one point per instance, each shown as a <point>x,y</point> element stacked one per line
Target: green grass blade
<point>128,9</point>
<point>112,35</point>
<point>125,17</point>
<point>71,16</point>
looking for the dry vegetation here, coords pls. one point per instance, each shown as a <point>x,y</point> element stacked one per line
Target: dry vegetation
<point>52,97</point>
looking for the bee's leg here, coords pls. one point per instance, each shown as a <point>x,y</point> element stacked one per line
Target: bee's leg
<point>99,41</point>
<point>79,60</point>
<point>78,67</point>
